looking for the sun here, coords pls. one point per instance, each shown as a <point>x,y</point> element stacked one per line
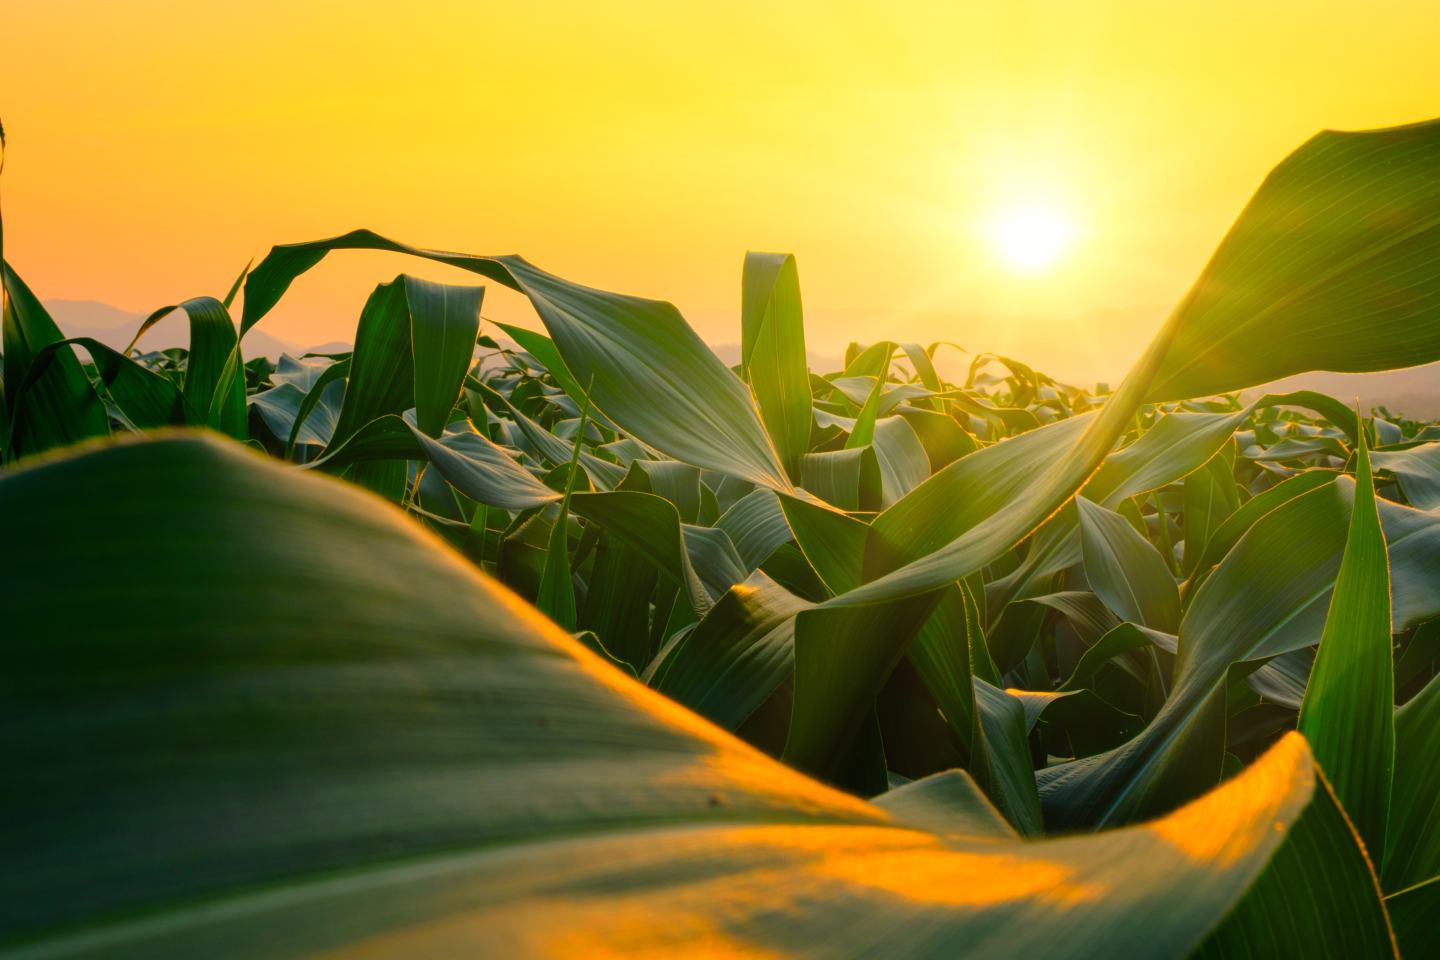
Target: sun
<point>1031,238</point>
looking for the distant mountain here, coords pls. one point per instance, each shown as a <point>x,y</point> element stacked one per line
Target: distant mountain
<point>1414,392</point>
<point>114,328</point>
<point>729,354</point>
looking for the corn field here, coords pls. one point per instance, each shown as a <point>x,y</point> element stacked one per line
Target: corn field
<point>481,641</point>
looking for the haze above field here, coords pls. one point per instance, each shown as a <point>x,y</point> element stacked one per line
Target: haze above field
<point>1038,179</point>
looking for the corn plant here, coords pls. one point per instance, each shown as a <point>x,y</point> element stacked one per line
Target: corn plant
<point>511,643</point>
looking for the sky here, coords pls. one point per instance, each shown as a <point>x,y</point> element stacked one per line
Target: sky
<point>1042,179</point>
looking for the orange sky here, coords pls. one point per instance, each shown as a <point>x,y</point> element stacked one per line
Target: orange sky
<point>155,146</point>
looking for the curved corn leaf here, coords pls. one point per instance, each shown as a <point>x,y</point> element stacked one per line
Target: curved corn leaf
<point>1250,512</point>
<point>737,655</point>
<point>849,479</point>
<point>900,458</point>
<point>1269,596</point>
<point>1298,911</point>
<point>1125,570</point>
<point>1115,641</point>
<point>649,373</point>
<point>651,525</point>
<point>214,387</point>
<point>59,407</point>
<point>946,803</point>
<point>469,462</point>
<point>1329,267</point>
<point>547,446</point>
<point>477,699</point>
<point>833,542</point>
<point>950,657</point>
<point>142,397</point>
<point>1176,445</point>
<point>412,348</point>
<point>1416,469</point>
<point>756,526</point>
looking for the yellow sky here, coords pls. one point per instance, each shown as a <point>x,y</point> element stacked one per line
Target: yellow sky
<point>156,146</point>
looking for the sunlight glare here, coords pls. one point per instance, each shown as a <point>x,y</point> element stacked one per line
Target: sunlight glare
<point>1030,239</point>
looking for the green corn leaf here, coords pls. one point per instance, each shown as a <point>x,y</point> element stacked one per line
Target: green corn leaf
<point>472,732</point>
<point>1114,642</point>
<point>900,458</point>
<point>652,526</point>
<point>677,482</point>
<point>1125,570</point>
<point>1250,512</point>
<point>1416,469</point>
<point>692,408</point>
<point>1348,713</point>
<point>412,348</point>
<point>959,498</point>
<point>833,699</point>
<point>849,479</point>
<point>1210,498</point>
<point>1268,597</point>
<point>772,352</point>
<point>469,462</point>
<point>603,474</point>
<point>947,803</point>
<point>756,526</point>
<point>872,361</point>
<point>320,397</point>
<point>144,398</point>
<point>1329,267</point>
<point>444,322</point>
<point>214,387</point>
<point>59,407</point>
<point>1411,854</point>
<point>949,656</point>
<point>1297,910</point>
<point>924,364</point>
<point>833,542</point>
<point>542,348</point>
<point>863,432</point>
<point>1176,445</point>
<point>736,656</point>
<point>1341,254</point>
<point>556,597</point>
<point>945,441</point>
<point>617,601</point>
<point>1412,914</point>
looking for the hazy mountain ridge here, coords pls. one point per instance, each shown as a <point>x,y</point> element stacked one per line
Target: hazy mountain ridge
<point>1414,391</point>
<point>115,327</point>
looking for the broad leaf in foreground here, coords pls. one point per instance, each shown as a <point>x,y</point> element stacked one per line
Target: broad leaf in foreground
<point>427,767</point>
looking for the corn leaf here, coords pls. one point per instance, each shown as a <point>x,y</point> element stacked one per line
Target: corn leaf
<point>1268,597</point>
<point>1329,267</point>
<point>1125,570</point>
<point>1348,713</point>
<point>688,404</point>
<point>1411,854</point>
<point>59,407</point>
<point>772,352</point>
